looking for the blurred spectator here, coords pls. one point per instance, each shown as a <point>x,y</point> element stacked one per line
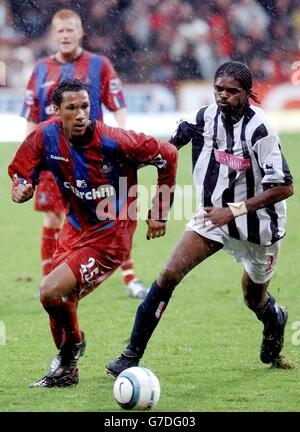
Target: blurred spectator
<point>29,17</point>
<point>8,34</point>
<point>295,23</point>
<point>247,15</point>
<point>18,64</point>
<point>258,67</point>
<point>187,67</point>
<point>126,51</point>
<point>165,70</point>
<point>242,49</point>
<point>190,47</point>
<point>221,32</point>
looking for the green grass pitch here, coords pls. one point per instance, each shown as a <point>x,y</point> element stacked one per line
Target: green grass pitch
<point>205,350</point>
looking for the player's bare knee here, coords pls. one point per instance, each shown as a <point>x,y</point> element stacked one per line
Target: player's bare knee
<point>47,291</point>
<point>255,294</point>
<point>254,301</point>
<point>45,295</point>
<point>169,278</point>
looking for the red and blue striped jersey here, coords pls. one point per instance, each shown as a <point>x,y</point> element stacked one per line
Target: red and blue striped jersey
<point>97,176</point>
<point>96,71</point>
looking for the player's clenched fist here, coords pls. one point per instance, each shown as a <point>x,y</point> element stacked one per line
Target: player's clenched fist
<point>155,229</point>
<point>21,191</point>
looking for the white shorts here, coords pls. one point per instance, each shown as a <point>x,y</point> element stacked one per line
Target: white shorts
<point>258,261</point>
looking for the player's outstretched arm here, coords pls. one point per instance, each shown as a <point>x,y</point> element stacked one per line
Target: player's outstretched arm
<point>26,165</point>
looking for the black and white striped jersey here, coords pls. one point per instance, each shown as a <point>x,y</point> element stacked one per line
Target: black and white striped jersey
<point>233,162</point>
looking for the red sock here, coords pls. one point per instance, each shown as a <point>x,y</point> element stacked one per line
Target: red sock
<point>49,237</point>
<point>64,323</point>
<point>72,332</point>
<point>127,271</point>
<point>57,332</point>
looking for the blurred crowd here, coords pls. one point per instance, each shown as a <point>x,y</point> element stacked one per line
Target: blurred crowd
<point>160,40</point>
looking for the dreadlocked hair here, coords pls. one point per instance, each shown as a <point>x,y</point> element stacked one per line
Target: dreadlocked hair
<point>241,72</point>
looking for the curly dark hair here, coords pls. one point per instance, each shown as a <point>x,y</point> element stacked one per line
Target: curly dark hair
<point>70,84</point>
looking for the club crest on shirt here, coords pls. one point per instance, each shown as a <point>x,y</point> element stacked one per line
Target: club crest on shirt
<point>158,161</point>
<point>269,168</point>
<point>82,184</point>
<point>114,86</point>
<point>29,97</point>
<point>105,167</point>
<point>42,198</point>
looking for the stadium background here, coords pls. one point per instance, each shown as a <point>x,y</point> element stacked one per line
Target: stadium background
<point>165,52</point>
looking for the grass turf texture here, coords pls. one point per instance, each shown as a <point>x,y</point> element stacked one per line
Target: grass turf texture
<point>205,350</point>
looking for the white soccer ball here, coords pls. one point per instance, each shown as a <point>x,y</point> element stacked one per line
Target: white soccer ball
<point>137,388</point>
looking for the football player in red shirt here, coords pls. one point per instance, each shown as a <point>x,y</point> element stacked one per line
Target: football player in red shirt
<point>71,61</point>
<point>95,167</point>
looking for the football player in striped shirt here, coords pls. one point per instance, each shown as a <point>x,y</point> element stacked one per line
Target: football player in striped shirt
<point>95,167</point>
<point>71,61</point>
<point>244,180</point>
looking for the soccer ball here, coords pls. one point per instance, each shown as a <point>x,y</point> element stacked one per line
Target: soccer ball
<point>137,388</point>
